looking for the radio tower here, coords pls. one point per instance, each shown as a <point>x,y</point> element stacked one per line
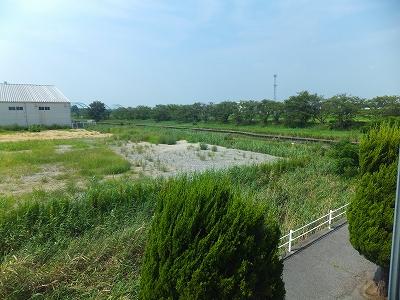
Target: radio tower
<point>275,85</point>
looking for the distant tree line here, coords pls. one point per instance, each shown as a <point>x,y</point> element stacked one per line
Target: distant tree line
<point>305,108</point>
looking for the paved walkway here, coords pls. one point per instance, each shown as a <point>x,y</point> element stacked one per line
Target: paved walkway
<point>329,268</point>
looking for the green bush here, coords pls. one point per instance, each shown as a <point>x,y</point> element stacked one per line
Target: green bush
<point>167,139</point>
<point>206,242</point>
<point>371,210</point>
<point>203,146</point>
<point>393,121</point>
<point>379,146</point>
<point>35,128</point>
<point>346,158</point>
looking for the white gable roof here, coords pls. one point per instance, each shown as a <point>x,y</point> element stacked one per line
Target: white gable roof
<point>30,93</point>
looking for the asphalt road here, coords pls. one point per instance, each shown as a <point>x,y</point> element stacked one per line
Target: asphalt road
<point>328,268</point>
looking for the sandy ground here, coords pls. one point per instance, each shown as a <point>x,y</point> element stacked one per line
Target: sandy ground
<point>147,159</point>
<point>45,179</point>
<point>52,135</point>
<point>168,160</point>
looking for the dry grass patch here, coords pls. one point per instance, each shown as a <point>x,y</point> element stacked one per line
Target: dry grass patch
<point>52,135</point>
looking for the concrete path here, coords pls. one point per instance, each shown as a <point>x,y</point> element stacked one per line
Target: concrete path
<point>328,268</point>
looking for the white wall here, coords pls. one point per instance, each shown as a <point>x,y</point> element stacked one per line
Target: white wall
<point>59,114</point>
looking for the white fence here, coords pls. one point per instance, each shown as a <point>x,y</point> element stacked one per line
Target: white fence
<point>326,220</point>
<point>82,124</point>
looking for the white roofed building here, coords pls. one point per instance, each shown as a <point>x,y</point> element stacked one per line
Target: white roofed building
<point>31,104</point>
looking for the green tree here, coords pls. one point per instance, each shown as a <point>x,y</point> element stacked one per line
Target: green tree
<point>246,112</point>
<point>266,109</point>
<point>120,113</point>
<point>192,113</point>
<point>142,112</point>
<point>346,158</point>
<point>279,110</point>
<point>299,109</point>
<point>162,112</point>
<point>223,111</point>
<point>206,242</point>
<point>343,109</point>
<point>371,210</point>
<point>97,111</point>
<point>385,106</point>
<point>318,108</point>
<point>75,111</point>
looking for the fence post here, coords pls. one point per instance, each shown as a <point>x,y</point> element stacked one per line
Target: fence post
<point>330,218</point>
<point>290,240</point>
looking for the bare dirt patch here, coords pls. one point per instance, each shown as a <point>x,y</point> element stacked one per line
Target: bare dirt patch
<point>168,160</point>
<point>52,135</point>
<point>45,179</point>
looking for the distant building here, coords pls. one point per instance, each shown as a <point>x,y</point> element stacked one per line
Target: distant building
<point>31,104</point>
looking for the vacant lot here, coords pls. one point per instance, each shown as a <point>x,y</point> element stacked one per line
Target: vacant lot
<point>47,161</point>
<point>51,135</point>
<point>83,237</point>
<point>53,164</point>
<point>183,157</point>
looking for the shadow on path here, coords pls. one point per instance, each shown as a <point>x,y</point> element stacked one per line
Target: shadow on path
<point>327,267</point>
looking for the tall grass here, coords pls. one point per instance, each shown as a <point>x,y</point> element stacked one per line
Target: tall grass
<point>299,188</point>
<point>75,246</point>
<point>46,219</point>
<point>71,244</point>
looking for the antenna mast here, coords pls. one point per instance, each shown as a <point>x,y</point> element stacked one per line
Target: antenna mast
<point>275,85</point>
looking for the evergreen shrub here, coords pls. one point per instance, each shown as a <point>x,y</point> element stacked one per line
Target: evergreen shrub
<point>206,242</point>
<point>346,158</point>
<point>370,213</point>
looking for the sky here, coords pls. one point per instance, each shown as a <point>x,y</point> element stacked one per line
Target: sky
<point>152,52</point>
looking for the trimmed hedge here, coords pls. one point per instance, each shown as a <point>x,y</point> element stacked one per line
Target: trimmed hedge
<point>206,242</point>
<point>371,211</point>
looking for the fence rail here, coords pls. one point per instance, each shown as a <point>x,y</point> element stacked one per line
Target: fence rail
<point>82,124</point>
<point>326,220</point>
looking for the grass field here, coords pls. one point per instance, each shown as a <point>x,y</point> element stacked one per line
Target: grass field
<point>28,165</point>
<point>315,131</point>
<point>88,243</point>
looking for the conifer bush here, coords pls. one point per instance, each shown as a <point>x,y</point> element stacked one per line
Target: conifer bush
<point>371,210</point>
<point>206,242</point>
<point>346,158</point>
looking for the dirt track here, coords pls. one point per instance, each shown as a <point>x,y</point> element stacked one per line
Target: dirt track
<point>52,135</point>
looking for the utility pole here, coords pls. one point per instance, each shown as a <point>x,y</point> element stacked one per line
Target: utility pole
<point>394,275</point>
<point>275,85</point>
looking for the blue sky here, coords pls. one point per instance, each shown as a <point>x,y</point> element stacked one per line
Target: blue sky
<point>149,52</point>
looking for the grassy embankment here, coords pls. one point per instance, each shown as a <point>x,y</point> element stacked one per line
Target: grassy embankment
<point>314,131</point>
<point>87,245</point>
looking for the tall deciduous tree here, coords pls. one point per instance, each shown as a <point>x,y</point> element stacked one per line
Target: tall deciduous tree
<point>299,109</point>
<point>224,110</point>
<point>266,109</point>
<point>246,112</point>
<point>343,109</point>
<point>97,111</point>
<point>385,105</point>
